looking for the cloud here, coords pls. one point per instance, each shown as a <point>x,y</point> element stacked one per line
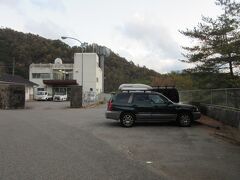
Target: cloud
<point>9,2</point>
<point>45,28</point>
<point>35,16</point>
<point>152,35</point>
<point>145,41</point>
<point>49,4</point>
<point>12,4</point>
<point>25,5</point>
<point>164,65</point>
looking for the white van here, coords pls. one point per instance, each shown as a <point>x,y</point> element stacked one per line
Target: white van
<point>60,96</point>
<point>43,96</point>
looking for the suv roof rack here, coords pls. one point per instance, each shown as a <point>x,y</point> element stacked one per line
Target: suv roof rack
<point>163,87</point>
<point>137,91</point>
<point>134,87</point>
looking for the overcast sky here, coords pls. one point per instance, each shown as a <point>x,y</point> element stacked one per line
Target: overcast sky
<point>143,31</point>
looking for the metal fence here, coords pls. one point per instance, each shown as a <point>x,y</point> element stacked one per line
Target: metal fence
<point>229,97</point>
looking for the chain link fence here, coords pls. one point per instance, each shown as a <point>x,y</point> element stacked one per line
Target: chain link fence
<point>228,97</point>
<point>89,98</point>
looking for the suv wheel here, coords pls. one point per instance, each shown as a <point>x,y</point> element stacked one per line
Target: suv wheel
<point>127,120</point>
<point>184,120</point>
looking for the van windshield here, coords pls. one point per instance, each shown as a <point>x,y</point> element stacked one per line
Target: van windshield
<point>41,93</point>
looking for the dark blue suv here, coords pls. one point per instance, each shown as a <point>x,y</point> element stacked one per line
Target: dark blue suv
<point>149,106</point>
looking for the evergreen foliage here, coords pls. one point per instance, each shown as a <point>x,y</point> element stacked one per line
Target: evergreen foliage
<point>217,40</point>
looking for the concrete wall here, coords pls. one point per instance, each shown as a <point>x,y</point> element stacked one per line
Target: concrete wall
<point>226,115</point>
<point>29,93</point>
<point>12,96</point>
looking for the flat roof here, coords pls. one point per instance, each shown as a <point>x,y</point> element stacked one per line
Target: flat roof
<point>60,82</point>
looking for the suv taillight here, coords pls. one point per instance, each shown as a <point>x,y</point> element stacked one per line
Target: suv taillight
<point>109,108</point>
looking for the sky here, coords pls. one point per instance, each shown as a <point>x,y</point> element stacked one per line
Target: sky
<point>143,31</point>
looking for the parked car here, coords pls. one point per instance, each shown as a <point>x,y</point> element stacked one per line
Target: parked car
<point>148,106</point>
<point>43,96</point>
<point>60,97</point>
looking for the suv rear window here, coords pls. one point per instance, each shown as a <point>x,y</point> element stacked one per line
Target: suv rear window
<point>122,97</point>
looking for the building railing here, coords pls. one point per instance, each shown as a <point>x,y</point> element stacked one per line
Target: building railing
<point>227,97</point>
<point>53,66</point>
<point>58,76</point>
<point>62,66</point>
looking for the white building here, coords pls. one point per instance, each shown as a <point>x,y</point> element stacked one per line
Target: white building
<point>91,71</point>
<point>58,77</point>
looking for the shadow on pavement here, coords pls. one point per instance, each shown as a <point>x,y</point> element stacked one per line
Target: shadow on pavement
<point>151,124</point>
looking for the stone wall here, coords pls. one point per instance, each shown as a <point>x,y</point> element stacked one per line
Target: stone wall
<point>12,96</point>
<point>76,97</point>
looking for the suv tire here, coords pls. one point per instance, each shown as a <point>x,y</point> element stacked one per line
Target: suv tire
<point>127,120</point>
<point>184,120</point>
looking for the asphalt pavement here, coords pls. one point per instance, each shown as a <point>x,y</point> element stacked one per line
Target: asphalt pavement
<point>48,140</point>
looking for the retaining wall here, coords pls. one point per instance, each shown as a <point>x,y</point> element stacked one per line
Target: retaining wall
<point>12,96</point>
<point>226,115</point>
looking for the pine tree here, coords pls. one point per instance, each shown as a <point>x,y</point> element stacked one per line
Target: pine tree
<point>217,41</point>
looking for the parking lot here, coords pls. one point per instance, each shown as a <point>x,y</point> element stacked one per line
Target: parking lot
<point>48,140</point>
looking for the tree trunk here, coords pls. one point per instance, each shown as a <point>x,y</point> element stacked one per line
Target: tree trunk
<point>235,95</point>
<point>231,69</point>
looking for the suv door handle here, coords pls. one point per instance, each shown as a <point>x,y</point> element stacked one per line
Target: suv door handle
<point>135,106</point>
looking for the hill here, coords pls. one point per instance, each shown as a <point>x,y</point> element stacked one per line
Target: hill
<point>26,48</point>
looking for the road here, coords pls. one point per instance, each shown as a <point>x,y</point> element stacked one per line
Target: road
<point>50,141</point>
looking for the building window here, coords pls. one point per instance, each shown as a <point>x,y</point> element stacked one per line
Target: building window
<point>45,75</point>
<point>61,74</point>
<point>97,79</point>
<point>40,75</point>
<point>40,89</point>
<point>35,75</point>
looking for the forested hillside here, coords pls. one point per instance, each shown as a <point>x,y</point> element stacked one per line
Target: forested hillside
<point>24,49</point>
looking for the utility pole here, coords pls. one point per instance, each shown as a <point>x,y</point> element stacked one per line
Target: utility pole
<point>83,44</point>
